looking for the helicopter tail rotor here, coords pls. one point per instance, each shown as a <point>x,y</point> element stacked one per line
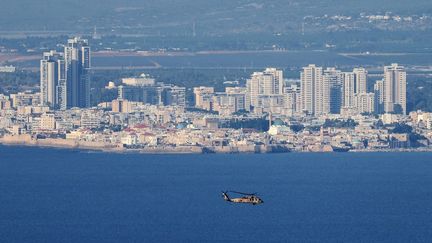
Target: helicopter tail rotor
<point>225,196</point>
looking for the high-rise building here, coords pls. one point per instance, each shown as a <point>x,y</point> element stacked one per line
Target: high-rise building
<point>360,75</point>
<point>348,90</point>
<point>52,79</point>
<point>332,91</point>
<point>278,82</point>
<point>263,86</point>
<point>364,102</point>
<point>265,89</point>
<point>77,63</point>
<point>312,90</point>
<point>292,99</point>
<point>394,89</point>
<point>379,96</point>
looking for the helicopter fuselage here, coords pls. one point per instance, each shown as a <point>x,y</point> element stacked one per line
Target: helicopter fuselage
<point>252,199</point>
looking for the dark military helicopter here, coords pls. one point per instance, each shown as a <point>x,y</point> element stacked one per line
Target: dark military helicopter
<point>250,198</point>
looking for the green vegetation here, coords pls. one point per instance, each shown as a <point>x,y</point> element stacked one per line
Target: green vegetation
<point>18,81</point>
<point>297,128</point>
<point>419,94</point>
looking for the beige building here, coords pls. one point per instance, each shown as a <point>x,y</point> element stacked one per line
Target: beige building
<point>204,97</point>
<point>25,99</point>
<point>121,106</point>
<point>47,121</point>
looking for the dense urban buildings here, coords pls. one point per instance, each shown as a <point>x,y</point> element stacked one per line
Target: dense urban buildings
<point>319,92</point>
<point>327,109</point>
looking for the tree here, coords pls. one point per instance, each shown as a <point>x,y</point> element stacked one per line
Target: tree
<point>401,128</point>
<point>297,128</point>
<point>397,109</point>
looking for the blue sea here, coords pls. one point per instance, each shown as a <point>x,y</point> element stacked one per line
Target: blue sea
<point>58,195</point>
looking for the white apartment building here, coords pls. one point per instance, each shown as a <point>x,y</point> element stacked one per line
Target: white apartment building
<point>365,102</point>
<point>264,88</point>
<point>312,90</point>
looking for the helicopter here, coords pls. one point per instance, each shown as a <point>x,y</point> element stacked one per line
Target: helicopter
<point>250,198</point>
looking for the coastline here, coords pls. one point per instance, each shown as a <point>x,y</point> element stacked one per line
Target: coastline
<point>28,141</point>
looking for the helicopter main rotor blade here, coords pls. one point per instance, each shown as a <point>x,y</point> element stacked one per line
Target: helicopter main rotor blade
<point>242,193</point>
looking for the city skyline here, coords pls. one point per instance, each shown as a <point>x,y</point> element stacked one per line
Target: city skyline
<point>65,81</point>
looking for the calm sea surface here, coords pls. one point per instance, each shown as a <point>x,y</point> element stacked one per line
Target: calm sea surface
<point>54,195</point>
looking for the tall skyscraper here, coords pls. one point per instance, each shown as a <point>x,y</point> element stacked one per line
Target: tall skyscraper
<point>348,90</point>
<point>379,96</point>
<point>360,75</point>
<point>394,89</point>
<point>332,91</point>
<point>311,89</point>
<point>52,79</point>
<point>77,62</point>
